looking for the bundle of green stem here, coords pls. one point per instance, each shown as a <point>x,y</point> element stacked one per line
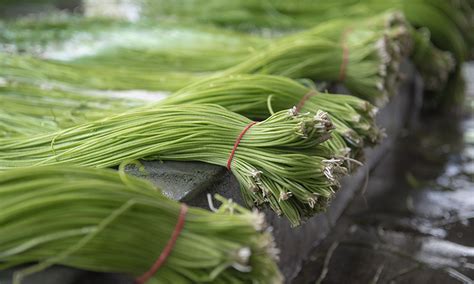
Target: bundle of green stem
<point>118,56</point>
<point>57,37</point>
<point>104,221</point>
<point>364,56</point>
<point>257,96</point>
<point>254,96</point>
<point>28,108</point>
<point>277,162</point>
<point>34,34</point>
<point>90,75</point>
<point>450,24</point>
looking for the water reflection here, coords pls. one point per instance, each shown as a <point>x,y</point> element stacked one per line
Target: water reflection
<point>414,223</point>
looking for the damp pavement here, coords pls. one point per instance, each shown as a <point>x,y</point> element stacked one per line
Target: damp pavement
<point>412,223</point>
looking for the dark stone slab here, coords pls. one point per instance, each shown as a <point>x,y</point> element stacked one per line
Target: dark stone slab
<point>56,274</point>
<point>17,8</point>
<point>178,180</point>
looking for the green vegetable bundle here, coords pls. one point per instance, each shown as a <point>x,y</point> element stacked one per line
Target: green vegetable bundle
<point>146,45</point>
<point>254,96</point>
<point>36,33</point>
<point>365,56</point>
<point>448,23</point>
<point>90,76</point>
<point>277,162</point>
<point>257,96</point>
<point>116,55</point>
<point>104,221</point>
<point>29,108</point>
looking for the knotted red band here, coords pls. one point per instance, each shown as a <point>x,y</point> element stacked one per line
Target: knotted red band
<point>167,249</point>
<point>345,55</point>
<point>305,98</point>
<point>237,142</point>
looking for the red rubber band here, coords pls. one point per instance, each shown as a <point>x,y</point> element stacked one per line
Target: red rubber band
<point>167,249</point>
<point>303,100</point>
<point>237,142</point>
<point>345,55</point>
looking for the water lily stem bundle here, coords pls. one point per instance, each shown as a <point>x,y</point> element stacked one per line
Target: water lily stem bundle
<point>449,24</point>
<point>257,96</point>
<point>104,221</point>
<point>30,108</point>
<point>435,66</point>
<point>254,96</point>
<point>91,76</point>
<point>277,161</point>
<point>449,21</point>
<point>364,56</point>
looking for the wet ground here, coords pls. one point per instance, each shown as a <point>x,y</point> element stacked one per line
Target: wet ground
<point>412,224</point>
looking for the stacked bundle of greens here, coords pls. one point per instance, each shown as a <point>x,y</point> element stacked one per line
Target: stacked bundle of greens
<point>448,23</point>
<point>434,65</point>
<point>365,56</point>
<point>58,36</point>
<point>37,34</point>
<point>254,96</point>
<point>104,221</point>
<point>291,158</point>
<point>277,163</point>
<point>29,108</point>
<point>257,96</point>
<point>117,55</point>
<point>91,76</point>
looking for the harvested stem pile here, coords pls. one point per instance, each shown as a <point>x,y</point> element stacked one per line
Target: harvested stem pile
<point>365,56</point>
<point>256,96</point>
<point>101,220</point>
<point>435,66</point>
<point>277,162</point>
<point>249,95</point>
<point>94,76</point>
<point>149,46</point>
<point>29,109</point>
<point>449,22</point>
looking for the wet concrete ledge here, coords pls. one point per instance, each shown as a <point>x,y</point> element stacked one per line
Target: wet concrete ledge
<point>190,182</point>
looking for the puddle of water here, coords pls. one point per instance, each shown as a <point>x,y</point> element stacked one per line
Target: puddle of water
<point>414,224</point>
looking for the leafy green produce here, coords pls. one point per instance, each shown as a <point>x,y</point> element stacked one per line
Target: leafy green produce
<point>104,221</point>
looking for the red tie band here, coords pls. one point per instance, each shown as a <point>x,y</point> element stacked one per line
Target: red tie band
<point>167,249</point>
<point>237,142</point>
<point>345,55</point>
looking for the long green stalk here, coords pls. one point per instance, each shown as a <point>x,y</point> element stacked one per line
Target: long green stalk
<point>277,163</point>
<point>104,221</point>
<point>448,23</point>
<point>254,96</point>
<point>28,108</point>
<point>257,96</point>
<point>364,56</point>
